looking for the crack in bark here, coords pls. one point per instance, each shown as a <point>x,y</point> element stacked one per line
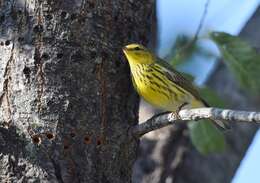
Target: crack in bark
<point>38,60</point>
<point>82,7</point>
<point>102,80</point>
<point>39,77</point>
<point>6,87</point>
<point>57,171</point>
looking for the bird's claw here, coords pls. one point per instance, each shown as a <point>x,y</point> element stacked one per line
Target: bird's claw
<point>175,115</point>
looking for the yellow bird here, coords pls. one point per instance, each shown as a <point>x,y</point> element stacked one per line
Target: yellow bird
<point>159,84</point>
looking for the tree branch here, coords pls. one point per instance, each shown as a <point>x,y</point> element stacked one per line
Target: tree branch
<point>201,21</point>
<point>163,120</point>
<point>196,35</point>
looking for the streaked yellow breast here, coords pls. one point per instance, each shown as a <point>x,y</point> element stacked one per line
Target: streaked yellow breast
<point>156,89</point>
<point>152,93</point>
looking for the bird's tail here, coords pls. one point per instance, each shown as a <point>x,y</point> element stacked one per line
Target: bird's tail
<point>221,124</point>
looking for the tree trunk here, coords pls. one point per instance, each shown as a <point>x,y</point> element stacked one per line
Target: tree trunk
<point>65,93</point>
<point>167,155</point>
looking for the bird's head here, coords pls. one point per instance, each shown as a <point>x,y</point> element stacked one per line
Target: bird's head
<point>138,54</point>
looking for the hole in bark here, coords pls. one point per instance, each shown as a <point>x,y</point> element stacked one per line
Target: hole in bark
<point>104,55</point>
<point>73,16</point>
<point>99,141</point>
<point>7,42</point>
<point>81,20</point>
<point>36,139</point>
<point>19,12</point>
<point>20,39</point>
<point>37,57</point>
<point>50,136</point>
<point>49,17</point>
<point>2,44</point>
<point>26,72</point>
<point>45,56</point>
<point>116,18</point>
<point>77,57</point>
<point>66,144</point>
<point>87,140</point>
<point>50,2</point>
<point>93,54</point>
<point>91,5</point>
<point>65,147</point>
<point>38,29</point>
<point>63,14</point>
<point>72,134</point>
<point>2,18</point>
<point>59,55</point>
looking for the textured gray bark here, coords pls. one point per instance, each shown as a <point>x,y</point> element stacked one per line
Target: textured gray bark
<point>167,155</point>
<point>65,94</point>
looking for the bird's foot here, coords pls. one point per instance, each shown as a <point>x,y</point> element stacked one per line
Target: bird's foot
<point>176,113</point>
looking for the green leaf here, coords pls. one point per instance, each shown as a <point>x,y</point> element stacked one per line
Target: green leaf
<point>185,48</point>
<point>241,58</point>
<point>182,50</point>
<point>206,137</point>
<point>211,97</point>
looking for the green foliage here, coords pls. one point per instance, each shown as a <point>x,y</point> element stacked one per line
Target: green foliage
<point>206,137</point>
<point>211,97</point>
<point>241,58</point>
<point>244,62</point>
<point>183,49</point>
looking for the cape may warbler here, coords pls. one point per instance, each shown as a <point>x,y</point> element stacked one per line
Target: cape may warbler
<point>159,84</point>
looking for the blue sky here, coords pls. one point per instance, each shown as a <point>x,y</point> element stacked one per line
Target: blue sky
<point>182,17</point>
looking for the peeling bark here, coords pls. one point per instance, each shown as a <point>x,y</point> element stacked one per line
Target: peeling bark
<point>66,100</point>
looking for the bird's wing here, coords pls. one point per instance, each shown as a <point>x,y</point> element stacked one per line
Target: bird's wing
<point>187,85</point>
<point>179,79</point>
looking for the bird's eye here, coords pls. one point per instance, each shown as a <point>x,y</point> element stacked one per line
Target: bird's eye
<point>137,48</point>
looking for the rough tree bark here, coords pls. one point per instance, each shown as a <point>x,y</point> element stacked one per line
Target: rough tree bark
<point>65,94</point>
<point>167,155</point>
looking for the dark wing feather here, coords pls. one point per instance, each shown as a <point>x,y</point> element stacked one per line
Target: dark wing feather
<point>180,80</point>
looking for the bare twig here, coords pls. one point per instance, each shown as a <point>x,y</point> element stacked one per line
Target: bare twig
<point>201,21</point>
<point>195,37</point>
<point>194,114</point>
